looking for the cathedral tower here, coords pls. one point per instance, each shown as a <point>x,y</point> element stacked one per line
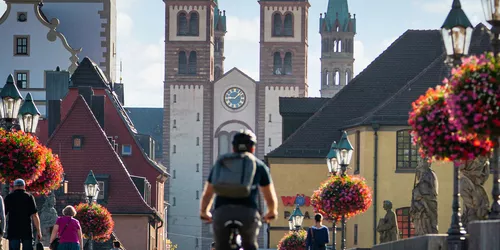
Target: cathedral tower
<point>337,29</point>
<point>220,32</point>
<point>188,98</point>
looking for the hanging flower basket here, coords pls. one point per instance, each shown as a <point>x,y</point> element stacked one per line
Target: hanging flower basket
<point>293,241</point>
<point>436,136</point>
<point>475,95</point>
<point>51,177</point>
<point>96,220</point>
<point>21,156</point>
<point>337,196</point>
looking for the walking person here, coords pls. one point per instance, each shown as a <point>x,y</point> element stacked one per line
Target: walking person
<point>69,231</point>
<point>317,235</point>
<point>21,211</point>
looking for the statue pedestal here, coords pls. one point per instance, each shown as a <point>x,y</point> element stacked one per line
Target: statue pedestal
<point>425,242</point>
<point>484,235</point>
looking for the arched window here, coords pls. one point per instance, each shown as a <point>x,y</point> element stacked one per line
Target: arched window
<point>337,77</point>
<point>288,63</point>
<point>278,64</point>
<point>407,151</point>
<point>182,24</point>
<point>223,143</point>
<point>334,48</point>
<point>183,63</point>
<point>288,26</point>
<point>194,24</point>
<point>216,45</point>
<point>405,226</point>
<point>277,24</point>
<point>326,77</point>
<point>192,63</point>
<point>217,73</point>
<point>339,46</point>
<point>347,76</point>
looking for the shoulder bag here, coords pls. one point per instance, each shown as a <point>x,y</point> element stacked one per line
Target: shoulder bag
<point>55,243</point>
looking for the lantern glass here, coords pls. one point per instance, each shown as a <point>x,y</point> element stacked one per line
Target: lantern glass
<point>290,223</point>
<point>297,220</point>
<point>333,165</point>
<point>457,40</point>
<point>28,122</point>
<point>491,10</point>
<point>10,107</point>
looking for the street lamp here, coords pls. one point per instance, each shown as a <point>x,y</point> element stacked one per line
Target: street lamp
<point>296,219</point>
<point>91,191</point>
<point>457,34</point>
<point>344,154</point>
<point>331,160</point>
<point>12,114</point>
<point>492,13</point>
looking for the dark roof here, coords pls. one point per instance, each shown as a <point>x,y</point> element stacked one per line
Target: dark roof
<point>411,53</point>
<point>97,154</point>
<point>394,111</point>
<point>301,105</point>
<point>90,75</point>
<point>148,121</point>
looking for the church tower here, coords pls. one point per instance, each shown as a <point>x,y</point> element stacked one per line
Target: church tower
<point>337,29</point>
<point>188,109</point>
<point>220,32</point>
<point>283,65</point>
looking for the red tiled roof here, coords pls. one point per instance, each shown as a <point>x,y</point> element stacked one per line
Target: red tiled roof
<point>98,155</point>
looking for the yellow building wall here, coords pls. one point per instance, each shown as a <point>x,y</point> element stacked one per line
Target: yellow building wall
<point>302,176</point>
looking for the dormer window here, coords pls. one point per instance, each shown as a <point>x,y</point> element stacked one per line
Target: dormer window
<point>77,142</point>
<point>126,149</point>
<point>22,17</point>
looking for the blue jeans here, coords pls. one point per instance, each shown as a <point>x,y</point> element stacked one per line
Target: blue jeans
<point>15,244</point>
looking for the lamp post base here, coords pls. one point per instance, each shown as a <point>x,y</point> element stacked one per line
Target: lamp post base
<point>334,235</point>
<point>456,232</point>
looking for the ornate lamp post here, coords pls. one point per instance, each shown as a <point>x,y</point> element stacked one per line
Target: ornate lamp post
<point>12,114</point>
<point>91,191</point>
<point>344,152</point>
<point>457,35</point>
<point>333,169</point>
<point>492,14</point>
<point>296,219</point>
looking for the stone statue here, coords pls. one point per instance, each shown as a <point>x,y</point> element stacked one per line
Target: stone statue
<point>423,210</point>
<point>388,226</point>
<point>473,175</point>
<point>48,217</point>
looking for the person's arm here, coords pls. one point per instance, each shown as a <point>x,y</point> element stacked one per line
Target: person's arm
<point>55,230</point>
<point>2,216</point>
<point>308,238</point>
<point>268,191</point>
<point>206,200</point>
<point>327,236</point>
<point>36,220</point>
<point>80,238</point>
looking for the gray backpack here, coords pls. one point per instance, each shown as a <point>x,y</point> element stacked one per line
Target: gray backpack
<point>233,175</point>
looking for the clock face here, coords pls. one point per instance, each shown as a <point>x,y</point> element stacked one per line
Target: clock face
<point>234,98</point>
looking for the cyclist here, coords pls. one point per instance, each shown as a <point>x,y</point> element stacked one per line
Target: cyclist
<point>244,210</point>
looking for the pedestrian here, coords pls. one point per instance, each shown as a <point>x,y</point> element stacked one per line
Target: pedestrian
<point>21,211</point>
<point>68,229</point>
<point>116,246</point>
<point>317,235</point>
<point>2,221</point>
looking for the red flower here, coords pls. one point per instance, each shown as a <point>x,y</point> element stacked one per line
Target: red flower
<point>51,178</point>
<point>96,220</point>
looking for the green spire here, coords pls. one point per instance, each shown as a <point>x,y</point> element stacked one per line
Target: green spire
<point>29,106</point>
<point>10,89</point>
<point>338,9</point>
<point>456,17</point>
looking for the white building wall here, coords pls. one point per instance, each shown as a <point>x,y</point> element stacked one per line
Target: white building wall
<point>244,117</point>
<point>184,224</point>
<point>40,51</point>
<point>273,127</point>
<point>81,24</point>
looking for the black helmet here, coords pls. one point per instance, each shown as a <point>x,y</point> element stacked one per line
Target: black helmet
<point>244,140</point>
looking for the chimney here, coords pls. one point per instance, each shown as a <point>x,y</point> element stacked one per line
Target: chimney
<point>87,93</point>
<point>98,109</point>
<point>53,115</point>
<point>119,90</point>
<point>57,84</point>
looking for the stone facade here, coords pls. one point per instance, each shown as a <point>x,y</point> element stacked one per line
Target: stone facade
<point>199,122</point>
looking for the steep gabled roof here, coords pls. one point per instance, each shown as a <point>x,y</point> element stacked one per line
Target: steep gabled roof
<point>237,71</point>
<point>409,55</point>
<point>133,131</point>
<point>394,111</point>
<point>88,74</point>
<point>301,105</point>
<point>98,155</point>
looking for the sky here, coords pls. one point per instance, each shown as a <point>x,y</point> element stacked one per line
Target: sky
<point>141,35</point>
